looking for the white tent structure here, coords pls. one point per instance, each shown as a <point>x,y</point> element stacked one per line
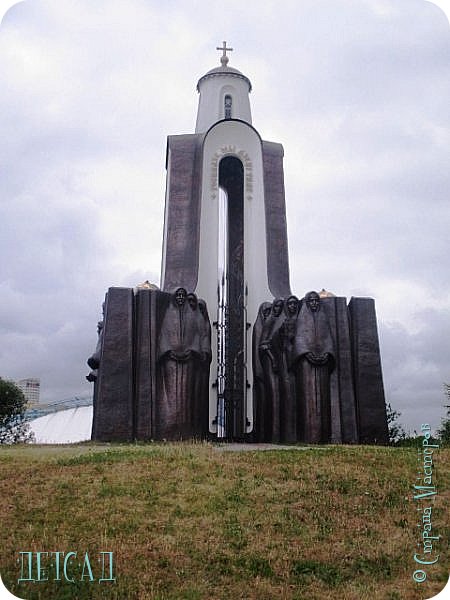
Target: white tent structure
<point>64,426</point>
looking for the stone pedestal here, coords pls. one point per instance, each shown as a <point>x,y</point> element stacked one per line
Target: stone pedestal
<point>368,379</point>
<point>128,393</point>
<point>343,410</point>
<point>114,398</point>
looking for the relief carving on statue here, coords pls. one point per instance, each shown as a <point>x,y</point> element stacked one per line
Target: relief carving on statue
<point>200,396</point>
<point>270,358</point>
<point>288,404</point>
<point>258,373</point>
<point>313,357</point>
<point>183,357</point>
<point>293,357</point>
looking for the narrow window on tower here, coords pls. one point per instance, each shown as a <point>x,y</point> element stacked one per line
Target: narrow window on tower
<point>228,103</point>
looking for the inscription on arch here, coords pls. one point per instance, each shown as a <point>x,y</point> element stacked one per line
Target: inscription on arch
<point>231,150</point>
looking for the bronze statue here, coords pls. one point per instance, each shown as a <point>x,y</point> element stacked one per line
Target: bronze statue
<point>270,357</point>
<point>258,373</point>
<point>313,356</point>
<point>288,408</point>
<point>202,393</point>
<point>178,356</point>
<point>199,404</point>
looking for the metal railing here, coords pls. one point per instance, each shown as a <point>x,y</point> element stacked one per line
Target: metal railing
<point>42,409</point>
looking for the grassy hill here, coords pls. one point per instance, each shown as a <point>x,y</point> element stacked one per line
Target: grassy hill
<point>194,521</point>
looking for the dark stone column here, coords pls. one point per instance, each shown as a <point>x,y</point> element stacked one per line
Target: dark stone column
<point>276,229</point>
<point>349,431</point>
<point>342,395</point>
<point>114,394</point>
<point>329,306</point>
<point>183,211</point>
<point>150,307</point>
<point>144,364</point>
<point>369,390</point>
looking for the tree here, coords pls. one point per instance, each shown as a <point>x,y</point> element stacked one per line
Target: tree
<point>395,429</point>
<point>13,427</point>
<point>444,431</point>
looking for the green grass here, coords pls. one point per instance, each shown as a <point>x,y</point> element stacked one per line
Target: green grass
<point>189,521</point>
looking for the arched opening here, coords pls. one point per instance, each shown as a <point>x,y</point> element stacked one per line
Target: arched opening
<point>232,373</point>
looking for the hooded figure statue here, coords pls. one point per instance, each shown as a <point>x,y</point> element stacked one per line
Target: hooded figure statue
<point>288,404</point>
<point>178,355</point>
<point>270,357</point>
<point>313,357</point>
<point>258,373</point>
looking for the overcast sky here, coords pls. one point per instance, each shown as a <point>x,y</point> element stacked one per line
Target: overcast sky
<point>358,93</point>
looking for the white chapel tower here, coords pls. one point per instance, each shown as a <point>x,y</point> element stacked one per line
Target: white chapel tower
<point>225,227</point>
<point>223,95</point>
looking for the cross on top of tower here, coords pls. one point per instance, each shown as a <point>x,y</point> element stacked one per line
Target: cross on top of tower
<point>224,58</point>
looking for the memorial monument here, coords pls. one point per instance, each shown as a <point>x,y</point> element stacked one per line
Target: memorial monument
<point>225,350</point>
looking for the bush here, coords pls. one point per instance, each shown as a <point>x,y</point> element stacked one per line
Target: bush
<point>396,431</point>
<point>13,427</point>
<point>444,431</point>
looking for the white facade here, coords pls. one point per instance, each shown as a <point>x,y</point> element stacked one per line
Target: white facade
<point>220,88</point>
<point>194,224</point>
<point>234,138</point>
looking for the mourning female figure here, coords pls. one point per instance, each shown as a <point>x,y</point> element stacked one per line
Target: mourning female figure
<point>270,357</point>
<point>288,408</point>
<point>314,357</point>
<point>258,374</point>
<point>178,357</point>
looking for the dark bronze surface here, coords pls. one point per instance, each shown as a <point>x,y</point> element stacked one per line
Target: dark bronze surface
<point>313,372</point>
<point>369,390</point>
<point>276,228</point>
<point>113,410</point>
<point>183,211</point>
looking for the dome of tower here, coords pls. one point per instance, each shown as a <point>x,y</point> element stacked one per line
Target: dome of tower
<point>224,94</point>
<point>227,71</point>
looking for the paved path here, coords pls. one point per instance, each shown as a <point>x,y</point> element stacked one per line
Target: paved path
<point>235,447</point>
